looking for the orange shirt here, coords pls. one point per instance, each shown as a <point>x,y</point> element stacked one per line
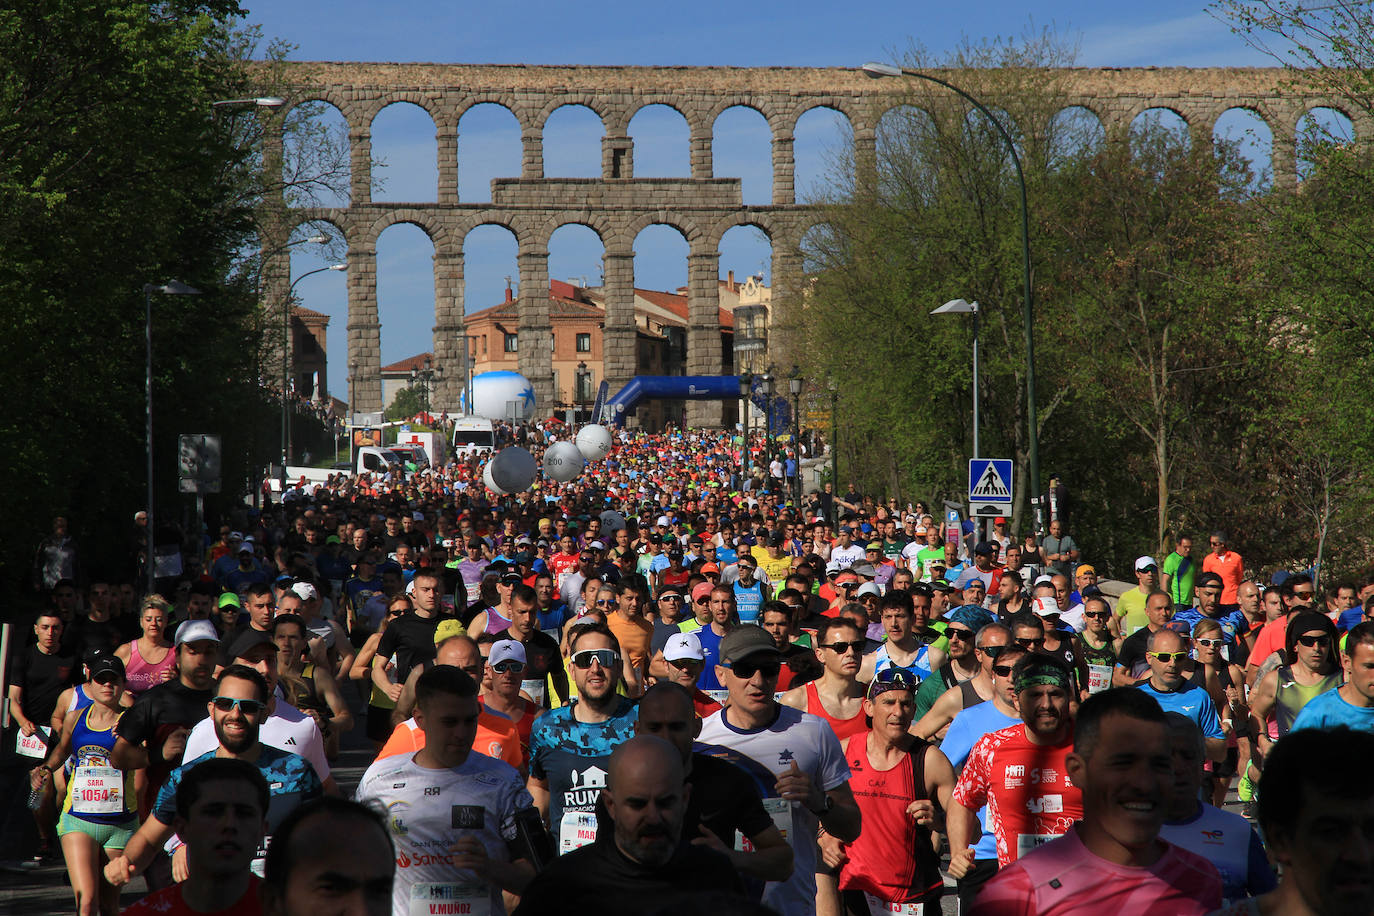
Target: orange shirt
<point>496,737</point>
<point>1231,569</point>
<point>634,636</point>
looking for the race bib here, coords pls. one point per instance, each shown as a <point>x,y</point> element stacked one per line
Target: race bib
<point>720,696</point>
<point>97,790</point>
<point>535,687</point>
<point>780,810</point>
<point>441,899</point>
<point>577,829</point>
<point>878,907</point>
<point>1025,842</point>
<point>1099,678</point>
<point>35,745</point>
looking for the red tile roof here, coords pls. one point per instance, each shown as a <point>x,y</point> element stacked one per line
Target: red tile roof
<point>410,362</point>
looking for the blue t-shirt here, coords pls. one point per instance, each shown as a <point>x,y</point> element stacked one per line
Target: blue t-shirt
<point>710,650</point>
<point>749,601</point>
<point>552,620</point>
<point>1193,702</point>
<point>1229,842</point>
<point>968,726</point>
<point>1329,710</point>
<point>1231,624</point>
<point>573,757</point>
<point>1350,619</point>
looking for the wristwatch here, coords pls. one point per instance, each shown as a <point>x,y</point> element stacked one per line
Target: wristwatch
<point>825,808</point>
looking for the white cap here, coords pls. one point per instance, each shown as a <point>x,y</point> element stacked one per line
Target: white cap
<point>305,591</point>
<point>662,522</point>
<point>683,646</point>
<point>597,545</point>
<point>1144,563</point>
<point>868,588</point>
<point>195,631</point>
<point>505,650</point>
<point>1045,607</point>
<point>1044,580</point>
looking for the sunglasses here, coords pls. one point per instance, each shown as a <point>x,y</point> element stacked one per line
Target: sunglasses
<point>891,679</point>
<point>1303,594</point>
<point>1167,657</point>
<point>671,598</point>
<point>603,657</point>
<point>702,601</point>
<point>1310,640</point>
<point>745,569</point>
<point>107,679</point>
<point>508,665</point>
<point>746,669</point>
<point>606,602</point>
<point>1209,643</point>
<point>685,664</point>
<point>958,633</point>
<point>1002,670</point>
<point>991,651</point>
<point>1027,642</point>
<point>1097,615</point>
<point>840,648</point>
<point>247,707</point>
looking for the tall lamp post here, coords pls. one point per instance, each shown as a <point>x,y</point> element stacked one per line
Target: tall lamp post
<point>768,421</point>
<point>286,364</point>
<point>1027,302</point>
<point>746,387</point>
<point>834,387</point>
<point>424,377</point>
<point>173,288</point>
<point>960,307</point>
<point>470,356</point>
<point>794,384</point>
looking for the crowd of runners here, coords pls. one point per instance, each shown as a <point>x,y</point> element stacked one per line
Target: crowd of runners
<point>667,688</point>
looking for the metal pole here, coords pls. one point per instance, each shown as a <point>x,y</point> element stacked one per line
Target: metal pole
<point>835,439</point>
<point>148,410</point>
<point>976,453</point>
<point>744,440</point>
<point>1027,302</point>
<point>285,379</point>
<point>796,449</point>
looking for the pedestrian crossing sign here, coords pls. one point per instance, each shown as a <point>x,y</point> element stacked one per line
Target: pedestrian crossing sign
<point>989,486</point>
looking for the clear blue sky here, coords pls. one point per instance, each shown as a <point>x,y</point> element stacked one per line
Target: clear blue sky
<point>706,32</point>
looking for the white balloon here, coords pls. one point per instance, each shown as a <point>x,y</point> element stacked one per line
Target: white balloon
<point>513,469</point>
<point>563,462</point>
<point>594,441</point>
<point>491,484</point>
<point>495,393</point>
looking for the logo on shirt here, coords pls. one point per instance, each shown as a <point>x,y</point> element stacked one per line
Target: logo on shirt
<point>1212,834</point>
<point>786,757</point>
<point>1045,804</point>
<point>1038,776</point>
<point>468,817</point>
<point>398,785</point>
<point>291,741</point>
<point>432,790</point>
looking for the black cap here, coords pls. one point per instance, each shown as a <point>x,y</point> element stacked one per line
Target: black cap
<point>247,641</point>
<point>983,548</point>
<point>103,664</point>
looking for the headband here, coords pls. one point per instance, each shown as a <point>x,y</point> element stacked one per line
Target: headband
<point>1042,674</point>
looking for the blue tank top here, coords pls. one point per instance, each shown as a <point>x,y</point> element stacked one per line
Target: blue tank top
<point>748,601</point>
<point>91,749</point>
<point>919,667</point>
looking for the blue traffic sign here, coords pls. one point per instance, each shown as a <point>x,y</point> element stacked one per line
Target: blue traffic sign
<point>989,485</point>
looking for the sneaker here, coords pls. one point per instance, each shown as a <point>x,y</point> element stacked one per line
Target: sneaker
<point>43,855</point>
<point>1245,789</point>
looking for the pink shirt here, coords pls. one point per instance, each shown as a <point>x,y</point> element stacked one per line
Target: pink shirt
<point>1061,878</point>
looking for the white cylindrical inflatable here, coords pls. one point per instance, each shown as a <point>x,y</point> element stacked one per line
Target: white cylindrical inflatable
<point>513,469</point>
<point>490,483</point>
<point>563,462</point>
<point>594,442</point>
<point>501,395</point>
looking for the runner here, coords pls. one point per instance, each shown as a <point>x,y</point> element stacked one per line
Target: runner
<point>150,659</point>
<point>308,686</point>
<point>903,646</point>
<point>1168,684</point>
<point>1352,704</point>
<point>1225,684</point>
<point>1096,645</point>
<point>838,696</point>
<point>990,641</point>
<point>1309,672</point>
<point>330,847</point>
<point>961,631</point>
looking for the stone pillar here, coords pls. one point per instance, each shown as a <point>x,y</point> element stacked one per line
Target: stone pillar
<point>535,345</point>
<point>784,170</point>
<point>275,284</point>
<point>360,165</point>
<point>446,143</point>
<point>618,356</point>
<point>272,159</point>
<point>617,157</point>
<point>364,330</point>
<point>783,307</point>
<point>449,328</point>
<point>701,154</point>
<point>531,153</point>
<point>703,330</point>
<point>865,156</point>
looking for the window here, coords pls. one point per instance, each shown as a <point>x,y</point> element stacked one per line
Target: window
<point>584,343</point>
<point>511,341</point>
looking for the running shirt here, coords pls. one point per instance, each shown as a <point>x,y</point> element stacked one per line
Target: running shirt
<point>1193,702</point>
<point>1291,698</point>
<point>1101,661</point>
<point>573,757</point>
<point>428,810</point>
<point>892,860</point>
<point>766,753</point>
<point>287,729</point>
<point>856,724</point>
<point>1330,710</point>
<point>497,737</point>
<point>97,791</point>
<point>291,782</point>
<point>141,675</point>
<point>749,601</point>
<point>1229,842</point>
<point>970,725</point>
<point>1062,878</point>
<point>1025,787</point>
<point>169,902</point>
<point>919,667</point>
<point>710,650</point>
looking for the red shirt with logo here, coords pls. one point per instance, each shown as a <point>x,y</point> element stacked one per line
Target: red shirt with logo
<point>1025,787</point>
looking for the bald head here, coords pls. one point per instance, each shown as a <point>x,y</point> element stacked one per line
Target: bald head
<point>458,651</point>
<point>646,797</point>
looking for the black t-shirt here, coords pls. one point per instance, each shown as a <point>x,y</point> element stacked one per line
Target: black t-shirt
<point>410,638</point>
<point>662,632</point>
<point>599,877</point>
<point>89,635</point>
<point>724,799</point>
<point>1132,654</point>
<point>542,657</point>
<point>42,678</point>
<point>158,712</point>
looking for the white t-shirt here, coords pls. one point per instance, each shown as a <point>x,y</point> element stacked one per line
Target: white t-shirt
<point>845,557</point>
<point>428,811</point>
<point>286,729</point>
<point>768,753</point>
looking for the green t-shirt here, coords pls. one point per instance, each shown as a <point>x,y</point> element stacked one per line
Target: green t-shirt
<point>926,556</point>
<point>931,689</point>
<point>1181,570</point>
<point>1131,605</point>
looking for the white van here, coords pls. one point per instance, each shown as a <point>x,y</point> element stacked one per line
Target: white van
<point>473,436</point>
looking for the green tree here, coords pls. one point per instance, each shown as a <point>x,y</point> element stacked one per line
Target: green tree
<point>406,404</point>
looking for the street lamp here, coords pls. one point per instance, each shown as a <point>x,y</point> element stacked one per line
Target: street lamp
<point>583,389</point>
<point>746,388</point>
<point>1027,302</point>
<point>265,101</point>
<point>469,356</point>
<point>834,387</point>
<point>961,307</point>
<point>286,362</point>
<point>768,417</point>
<point>173,288</point>
<point>794,384</point>
<point>424,377</point>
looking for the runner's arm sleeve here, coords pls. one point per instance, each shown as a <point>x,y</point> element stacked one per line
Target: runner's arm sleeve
<point>971,790</point>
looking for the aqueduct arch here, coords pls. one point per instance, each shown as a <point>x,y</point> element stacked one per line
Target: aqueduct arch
<point>702,206</point>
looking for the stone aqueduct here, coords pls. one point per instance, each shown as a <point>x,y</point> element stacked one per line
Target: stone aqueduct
<point>617,205</point>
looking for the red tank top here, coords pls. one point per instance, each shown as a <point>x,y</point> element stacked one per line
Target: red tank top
<point>892,859</point>
<point>855,725</point>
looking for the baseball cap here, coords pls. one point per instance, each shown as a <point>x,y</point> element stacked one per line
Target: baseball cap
<point>247,641</point>
<point>1044,580</point>
<point>774,538</point>
<point>1144,563</point>
<point>745,641</point>
<point>702,589</point>
<point>506,650</point>
<point>1084,569</point>
<point>230,598</point>
<point>305,591</point>
<point>683,646</point>
<point>246,547</point>
<point>596,545</point>
<point>710,568</point>
<point>874,545</point>
<point>196,631</point>
<point>846,576</point>
<point>868,588</point>
<point>983,548</point>
<point>1045,607</point>
<point>940,585</point>
<point>510,576</point>
<point>447,629</point>
<point>105,663</point>
<point>1000,520</point>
